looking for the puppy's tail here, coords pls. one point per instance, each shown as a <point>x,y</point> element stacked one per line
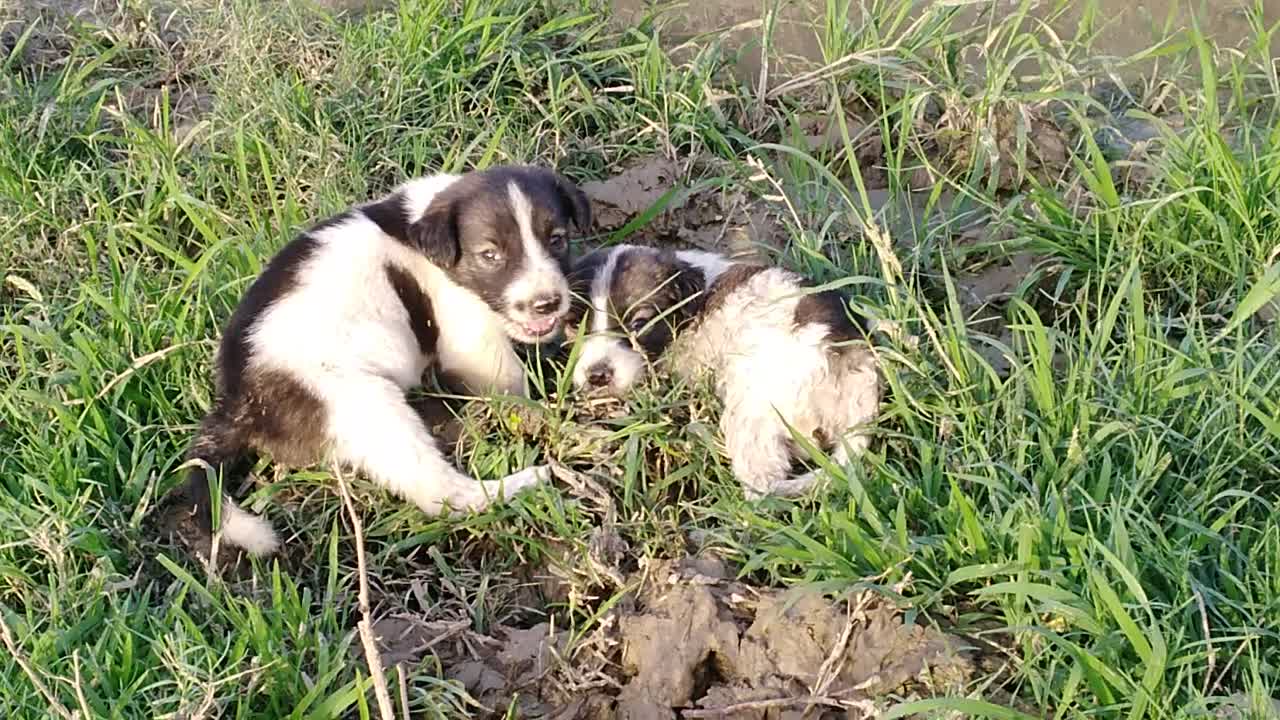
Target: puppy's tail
<point>188,510</point>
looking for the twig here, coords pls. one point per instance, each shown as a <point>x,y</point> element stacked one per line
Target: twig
<point>18,657</point>
<point>1218,682</point>
<point>584,486</point>
<point>1208,642</point>
<point>733,710</point>
<point>821,74</point>
<point>134,367</point>
<point>79,685</point>
<point>835,661</point>
<point>404,692</point>
<point>371,656</point>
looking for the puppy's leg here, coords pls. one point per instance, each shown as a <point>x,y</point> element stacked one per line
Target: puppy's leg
<point>757,447</point>
<point>858,391</point>
<point>802,483</point>
<point>375,429</point>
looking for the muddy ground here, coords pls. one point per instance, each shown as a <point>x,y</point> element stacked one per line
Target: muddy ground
<point>40,36</point>
<point>687,640</point>
<point>1128,27</point>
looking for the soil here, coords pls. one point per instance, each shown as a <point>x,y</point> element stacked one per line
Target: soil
<point>1126,30</point>
<point>688,215</point>
<point>54,29</point>
<point>687,640</point>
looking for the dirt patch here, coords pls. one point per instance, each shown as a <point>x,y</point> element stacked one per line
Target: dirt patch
<point>794,34</point>
<point>821,133</point>
<point>986,286</point>
<point>653,200</point>
<point>53,29</point>
<point>685,640</point>
<point>1015,141</point>
<point>160,61</point>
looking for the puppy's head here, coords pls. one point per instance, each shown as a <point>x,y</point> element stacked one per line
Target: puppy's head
<point>634,299</point>
<point>503,233</point>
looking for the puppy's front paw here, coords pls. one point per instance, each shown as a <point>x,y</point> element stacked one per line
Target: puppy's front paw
<point>524,479</point>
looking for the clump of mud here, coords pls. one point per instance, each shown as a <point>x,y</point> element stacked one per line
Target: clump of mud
<point>649,199</point>
<point>686,640</point>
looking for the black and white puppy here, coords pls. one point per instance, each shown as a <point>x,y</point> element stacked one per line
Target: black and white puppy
<point>780,354</point>
<point>444,272</point>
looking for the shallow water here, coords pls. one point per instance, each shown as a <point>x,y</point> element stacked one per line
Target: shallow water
<point>1124,28</point>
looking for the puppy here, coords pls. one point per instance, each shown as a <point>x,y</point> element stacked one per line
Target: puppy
<point>779,354</point>
<point>445,272</point>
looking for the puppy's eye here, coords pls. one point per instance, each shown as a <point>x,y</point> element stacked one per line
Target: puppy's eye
<point>557,239</point>
<point>638,322</point>
<point>490,256</point>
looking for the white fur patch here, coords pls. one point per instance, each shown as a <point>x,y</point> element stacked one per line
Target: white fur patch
<point>711,264</point>
<point>247,531</point>
<point>374,429</point>
<point>602,347</point>
<point>771,375</point>
<point>540,276</point>
<point>419,192</point>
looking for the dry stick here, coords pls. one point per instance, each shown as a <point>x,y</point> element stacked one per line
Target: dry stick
<point>12,647</point>
<point>79,685</point>
<point>1232,661</point>
<point>732,710</point>
<point>834,663</point>
<point>134,367</point>
<point>404,692</point>
<point>1208,642</point>
<point>371,656</point>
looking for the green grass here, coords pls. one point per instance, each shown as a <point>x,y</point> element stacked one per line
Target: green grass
<point>1106,511</point>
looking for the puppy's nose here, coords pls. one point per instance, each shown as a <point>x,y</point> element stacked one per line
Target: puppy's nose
<point>599,375</point>
<point>546,304</point>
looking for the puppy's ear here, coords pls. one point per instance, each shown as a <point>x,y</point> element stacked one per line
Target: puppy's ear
<point>436,233</point>
<point>584,269</point>
<point>687,284</point>
<point>577,202</point>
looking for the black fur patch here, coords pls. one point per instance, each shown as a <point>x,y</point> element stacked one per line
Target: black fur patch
<point>280,417</point>
<point>277,280</point>
<point>581,275</point>
<point>584,272</point>
<point>828,308</point>
<point>388,214</point>
<point>417,305</point>
<point>329,222</point>
<point>270,413</point>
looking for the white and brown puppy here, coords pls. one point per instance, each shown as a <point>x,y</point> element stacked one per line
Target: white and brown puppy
<point>445,272</point>
<point>781,354</point>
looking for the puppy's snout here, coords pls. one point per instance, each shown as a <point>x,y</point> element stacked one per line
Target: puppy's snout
<point>599,375</point>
